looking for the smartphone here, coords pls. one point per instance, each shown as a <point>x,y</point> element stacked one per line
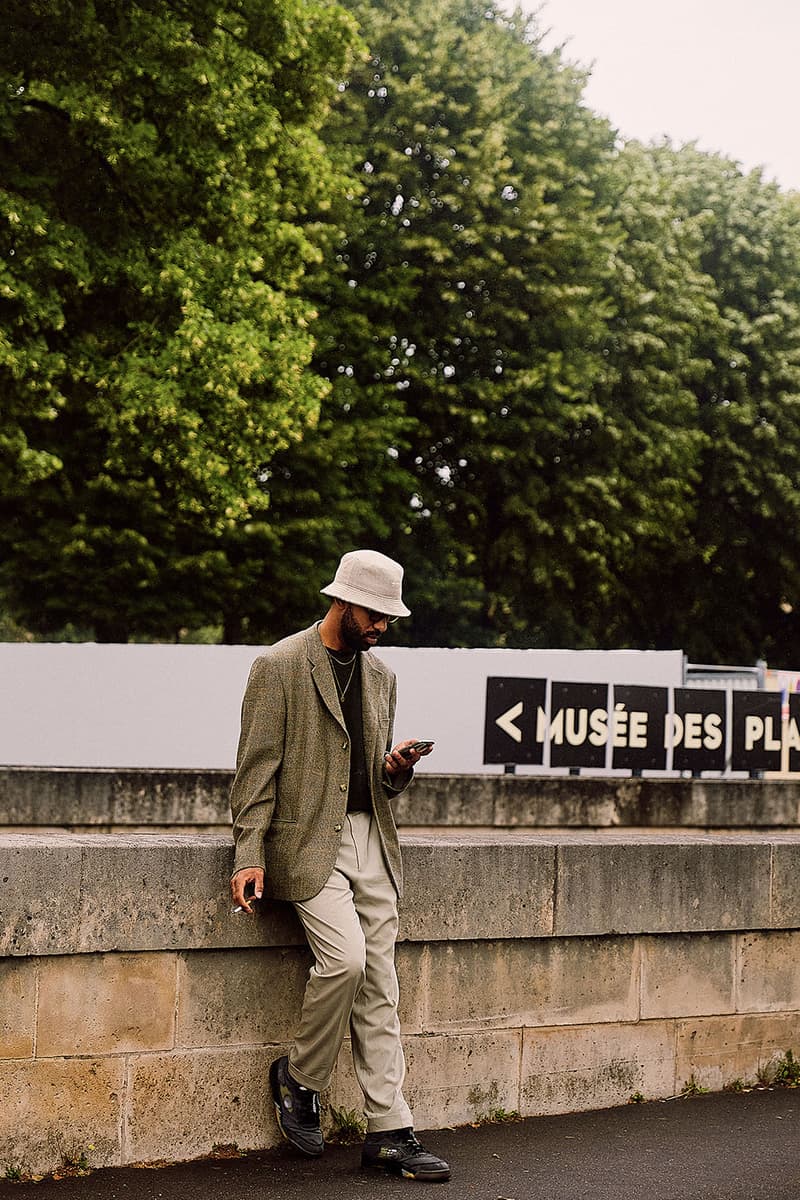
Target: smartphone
<point>418,746</point>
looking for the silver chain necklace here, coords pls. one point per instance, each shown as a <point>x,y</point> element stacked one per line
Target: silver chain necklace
<point>342,691</point>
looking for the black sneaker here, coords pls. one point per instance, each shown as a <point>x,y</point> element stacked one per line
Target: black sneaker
<point>296,1110</point>
<point>399,1153</point>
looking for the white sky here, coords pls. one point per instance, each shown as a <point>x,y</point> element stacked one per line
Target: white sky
<point>723,73</point>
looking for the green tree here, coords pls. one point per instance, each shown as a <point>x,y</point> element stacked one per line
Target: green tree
<point>729,591</point>
<point>646,441</point>
<point>461,330</point>
<point>159,167</point>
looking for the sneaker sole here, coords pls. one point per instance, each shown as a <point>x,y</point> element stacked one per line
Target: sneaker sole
<point>426,1176</point>
<point>392,1168</point>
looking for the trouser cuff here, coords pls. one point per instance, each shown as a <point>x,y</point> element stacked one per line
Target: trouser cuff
<point>400,1118</point>
<point>308,1081</point>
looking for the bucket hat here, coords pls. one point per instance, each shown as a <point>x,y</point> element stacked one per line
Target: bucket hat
<point>370,579</point>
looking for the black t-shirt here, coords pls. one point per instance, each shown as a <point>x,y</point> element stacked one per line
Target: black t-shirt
<point>347,676</point>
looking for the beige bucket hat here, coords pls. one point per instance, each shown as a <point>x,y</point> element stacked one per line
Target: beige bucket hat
<point>370,579</point>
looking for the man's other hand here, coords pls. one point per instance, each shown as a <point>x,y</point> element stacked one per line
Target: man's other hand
<point>247,885</point>
<point>403,757</point>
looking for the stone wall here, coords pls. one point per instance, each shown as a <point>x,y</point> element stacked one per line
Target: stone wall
<point>540,972</point>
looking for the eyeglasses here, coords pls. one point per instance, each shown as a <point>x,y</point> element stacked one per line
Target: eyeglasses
<point>375,617</point>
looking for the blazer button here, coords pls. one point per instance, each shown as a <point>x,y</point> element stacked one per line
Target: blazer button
<point>337,829</point>
<point>344,745</point>
<point>342,787</point>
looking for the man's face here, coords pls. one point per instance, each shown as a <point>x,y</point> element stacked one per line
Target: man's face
<point>361,628</point>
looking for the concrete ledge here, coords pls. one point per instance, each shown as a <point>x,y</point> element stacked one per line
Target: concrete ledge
<point>197,801</point>
<point>84,893</point>
<point>89,799</point>
<point>514,801</point>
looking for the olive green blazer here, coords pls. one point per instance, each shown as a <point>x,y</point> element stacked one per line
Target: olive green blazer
<point>289,794</point>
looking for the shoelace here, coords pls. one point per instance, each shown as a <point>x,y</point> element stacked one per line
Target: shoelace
<point>408,1140</point>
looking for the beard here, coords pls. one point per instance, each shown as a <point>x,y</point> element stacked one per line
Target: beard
<point>352,634</point>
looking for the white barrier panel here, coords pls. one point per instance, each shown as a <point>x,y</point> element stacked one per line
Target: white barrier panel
<point>167,706</point>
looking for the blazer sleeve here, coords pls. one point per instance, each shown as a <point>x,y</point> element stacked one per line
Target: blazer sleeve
<point>258,759</point>
<point>394,786</point>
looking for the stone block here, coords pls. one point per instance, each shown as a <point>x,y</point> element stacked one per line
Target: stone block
<point>448,800</point>
<point>687,975</point>
<point>769,973</point>
<point>717,1051</point>
<point>785,892</point>
<point>248,997</point>
<point>106,1004</point>
<point>40,881</point>
<point>458,1078</point>
<point>746,803</point>
<point>99,797</point>
<point>413,972</point>
<point>17,1007</point>
<point>596,1066</point>
<point>545,802</point>
<point>54,1110</point>
<point>164,891</point>
<point>476,887</point>
<point>540,981</point>
<point>181,1105</point>
<point>660,883</point>
<point>170,798</point>
<point>127,892</point>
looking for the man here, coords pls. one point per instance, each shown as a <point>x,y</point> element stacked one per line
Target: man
<point>313,824</point>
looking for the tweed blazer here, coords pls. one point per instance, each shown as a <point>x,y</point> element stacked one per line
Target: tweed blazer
<point>289,794</point>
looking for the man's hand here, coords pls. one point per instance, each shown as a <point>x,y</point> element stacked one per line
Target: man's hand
<point>247,885</point>
<point>403,757</point>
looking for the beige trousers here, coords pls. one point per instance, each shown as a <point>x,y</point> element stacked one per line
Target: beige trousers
<point>351,926</point>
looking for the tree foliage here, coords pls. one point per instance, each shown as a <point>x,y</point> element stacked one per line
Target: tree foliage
<point>158,166</point>
<point>461,324</point>
<point>738,586</point>
<point>284,278</point>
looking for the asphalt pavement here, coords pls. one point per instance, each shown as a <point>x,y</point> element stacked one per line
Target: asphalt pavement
<point>713,1147</point>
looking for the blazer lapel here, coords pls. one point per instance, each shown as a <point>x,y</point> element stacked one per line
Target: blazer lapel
<point>322,675</point>
<point>370,698</point>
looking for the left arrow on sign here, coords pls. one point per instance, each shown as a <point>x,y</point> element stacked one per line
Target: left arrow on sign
<point>507,719</point>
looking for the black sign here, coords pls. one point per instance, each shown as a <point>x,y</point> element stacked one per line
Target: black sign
<point>756,731</point>
<point>696,730</point>
<point>637,728</point>
<point>578,728</point>
<point>513,708</point>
